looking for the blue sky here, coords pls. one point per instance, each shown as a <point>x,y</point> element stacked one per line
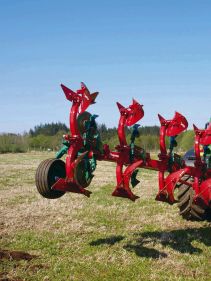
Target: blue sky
<point>156,51</point>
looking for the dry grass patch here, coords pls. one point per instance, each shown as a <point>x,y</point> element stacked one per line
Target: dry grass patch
<point>101,238</point>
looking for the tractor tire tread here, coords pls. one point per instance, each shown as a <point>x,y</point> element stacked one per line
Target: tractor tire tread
<point>187,207</point>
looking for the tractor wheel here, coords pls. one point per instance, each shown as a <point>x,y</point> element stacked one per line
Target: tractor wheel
<point>46,175</point>
<point>187,208</point>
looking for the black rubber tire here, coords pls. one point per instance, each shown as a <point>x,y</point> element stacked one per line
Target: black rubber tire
<point>46,175</point>
<point>187,208</point>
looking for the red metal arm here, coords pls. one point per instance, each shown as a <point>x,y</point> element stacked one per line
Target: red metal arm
<point>126,165</point>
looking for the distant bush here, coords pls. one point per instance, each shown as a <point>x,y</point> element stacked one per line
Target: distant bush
<point>44,142</point>
<point>49,136</point>
<point>186,140</point>
<point>12,143</point>
<point>48,129</point>
<point>149,136</point>
<point>148,142</point>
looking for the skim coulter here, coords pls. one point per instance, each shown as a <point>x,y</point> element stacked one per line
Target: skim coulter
<point>84,148</point>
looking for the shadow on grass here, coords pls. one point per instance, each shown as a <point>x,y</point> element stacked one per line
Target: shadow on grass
<point>143,244</point>
<point>107,241</point>
<point>144,252</point>
<point>179,240</point>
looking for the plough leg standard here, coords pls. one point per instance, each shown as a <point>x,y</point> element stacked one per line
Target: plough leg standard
<point>84,147</point>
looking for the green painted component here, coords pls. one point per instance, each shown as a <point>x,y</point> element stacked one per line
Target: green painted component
<point>84,169</point>
<point>209,163</point>
<point>132,145</point>
<point>93,163</point>
<point>141,154</point>
<point>81,121</point>
<point>88,173</point>
<point>63,150</point>
<point>170,163</point>
<point>91,136</point>
<point>82,173</point>
<point>92,121</point>
<point>85,139</point>
<point>135,134</point>
<point>133,179</point>
<point>178,159</point>
<point>172,143</point>
<point>174,159</point>
<point>207,155</point>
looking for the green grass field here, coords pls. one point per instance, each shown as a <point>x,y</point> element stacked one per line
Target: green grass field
<point>101,238</point>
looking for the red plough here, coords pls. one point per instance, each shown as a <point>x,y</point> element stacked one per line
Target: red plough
<point>84,148</point>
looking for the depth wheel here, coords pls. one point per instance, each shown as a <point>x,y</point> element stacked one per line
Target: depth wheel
<point>187,208</point>
<point>80,173</point>
<point>81,121</point>
<point>46,175</point>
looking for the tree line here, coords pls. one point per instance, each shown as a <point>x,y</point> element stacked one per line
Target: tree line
<point>49,137</point>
